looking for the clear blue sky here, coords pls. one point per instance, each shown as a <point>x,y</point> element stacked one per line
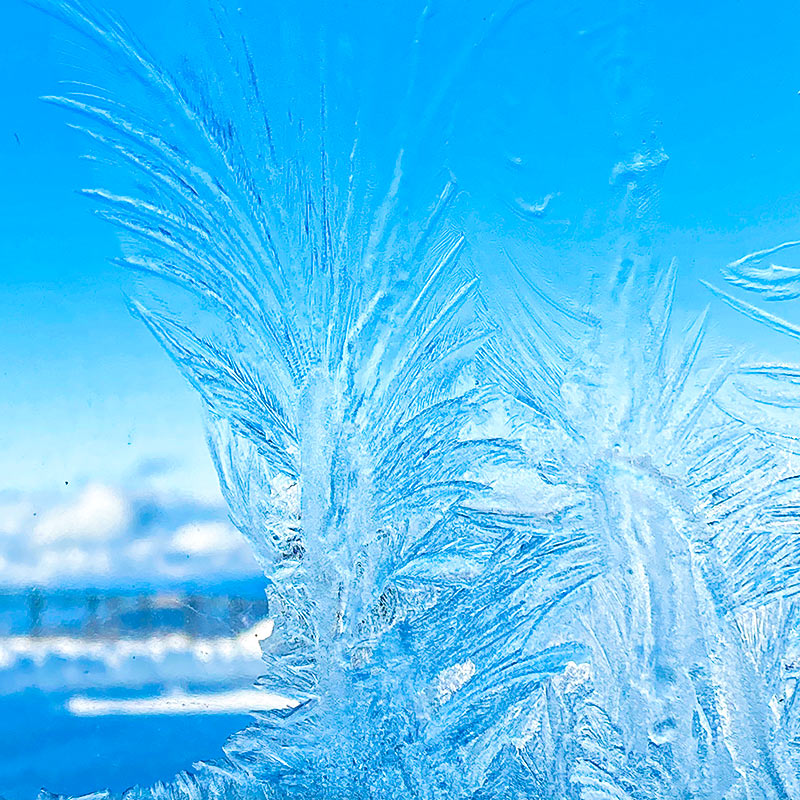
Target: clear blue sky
<point>86,394</point>
<point>104,471</point>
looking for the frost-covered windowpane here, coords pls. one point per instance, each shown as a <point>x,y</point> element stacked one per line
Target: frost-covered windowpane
<point>489,312</point>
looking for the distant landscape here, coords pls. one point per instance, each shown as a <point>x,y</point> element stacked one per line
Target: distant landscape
<point>144,681</point>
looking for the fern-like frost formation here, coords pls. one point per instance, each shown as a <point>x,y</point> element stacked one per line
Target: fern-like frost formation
<point>517,545</point>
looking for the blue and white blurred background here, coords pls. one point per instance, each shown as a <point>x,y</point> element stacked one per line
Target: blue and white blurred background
<point>130,621</point>
<point>130,610</point>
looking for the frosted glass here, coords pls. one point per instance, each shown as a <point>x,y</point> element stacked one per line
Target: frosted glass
<point>491,310</point>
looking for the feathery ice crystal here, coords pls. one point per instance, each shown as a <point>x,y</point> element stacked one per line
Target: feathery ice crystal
<point>515,546</point>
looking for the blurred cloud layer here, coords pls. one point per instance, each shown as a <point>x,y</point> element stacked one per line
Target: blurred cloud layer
<point>99,534</point>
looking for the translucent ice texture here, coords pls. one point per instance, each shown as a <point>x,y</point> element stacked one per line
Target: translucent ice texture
<point>517,545</point>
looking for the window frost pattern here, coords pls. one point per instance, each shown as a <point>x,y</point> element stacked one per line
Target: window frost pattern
<point>517,544</point>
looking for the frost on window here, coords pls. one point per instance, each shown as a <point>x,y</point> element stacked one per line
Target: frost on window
<point>510,428</point>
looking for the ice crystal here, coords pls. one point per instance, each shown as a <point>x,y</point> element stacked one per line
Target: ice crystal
<point>516,546</point>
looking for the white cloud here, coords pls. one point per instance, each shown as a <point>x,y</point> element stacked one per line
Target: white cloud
<point>143,549</point>
<point>100,513</point>
<point>15,514</point>
<point>71,561</point>
<point>104,534</point>
<point>54,565</point>
<point>206,538</point>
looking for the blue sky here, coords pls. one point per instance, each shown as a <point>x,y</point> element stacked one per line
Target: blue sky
<point>95,422</point>
<point>87,398</point>
<point>86,394</point>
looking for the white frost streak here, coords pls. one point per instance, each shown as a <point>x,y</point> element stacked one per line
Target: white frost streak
<point>454,678</point>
